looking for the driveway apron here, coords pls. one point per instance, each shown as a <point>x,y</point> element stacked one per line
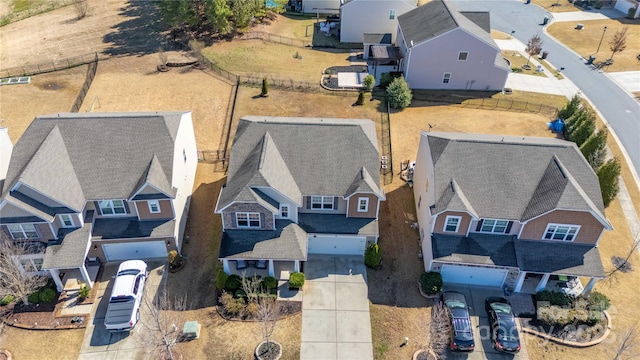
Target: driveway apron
<point>335,309</point>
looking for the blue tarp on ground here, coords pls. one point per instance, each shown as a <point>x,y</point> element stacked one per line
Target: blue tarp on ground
<point>557,125</point>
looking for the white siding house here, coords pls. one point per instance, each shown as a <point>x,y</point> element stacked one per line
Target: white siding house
<point>358,17</point>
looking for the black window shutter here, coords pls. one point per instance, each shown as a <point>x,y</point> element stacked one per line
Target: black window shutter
<point>479,226</point>
<point>97,205</point>
<point>335,203</point>
<point>509,225</point>
<point>126,206</point>
<point>308,202</point>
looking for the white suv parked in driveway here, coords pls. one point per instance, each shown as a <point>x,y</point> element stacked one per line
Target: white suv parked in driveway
<point>123,311</point>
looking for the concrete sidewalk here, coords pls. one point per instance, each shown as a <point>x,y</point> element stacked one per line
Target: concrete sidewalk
<point>601,14</point>
<point>628,80</point>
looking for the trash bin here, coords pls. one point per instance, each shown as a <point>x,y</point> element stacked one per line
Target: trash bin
<point>544,55</point>
<point>545,20</point>
<point>591,59</point>
<point>528,2</point>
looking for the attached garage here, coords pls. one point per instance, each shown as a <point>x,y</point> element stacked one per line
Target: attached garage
<point>337,244</point>
<point>135,250</point>
<point>469,275</point>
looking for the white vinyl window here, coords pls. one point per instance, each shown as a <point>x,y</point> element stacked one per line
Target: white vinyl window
<point>67,221</point>
<point>112,207</point>
<point>494,226</point>
<point>392,14</point>
<point>322,202</point>
<point>446,78</point>
<point>463,55</point>
<point>363,204</point>
<point>23,231</point>
<point>248,219</point>
<point>561,232</point>
<point>31,264</point>
<point>154,206</point>
<point>284,211</point>
<point>452,223</point>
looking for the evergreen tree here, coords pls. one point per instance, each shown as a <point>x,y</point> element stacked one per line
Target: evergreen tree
<point>608,177</point>
<point>594,149</point>
<point>570,108</point>
<point>360,100</point>
<point>399,93</point>
<point>265,88</point>
<point>584,131</point>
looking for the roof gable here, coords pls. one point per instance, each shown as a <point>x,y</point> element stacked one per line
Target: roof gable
<point>155,179</point>
<point>364,183</point>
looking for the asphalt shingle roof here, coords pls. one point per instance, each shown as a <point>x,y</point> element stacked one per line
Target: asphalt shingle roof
<point>288,242</point>
<point>559,258</point>
<point>514,178</point>
<point>337,224</point>
<point>376,38</point>
<point>483,249</point>
<point>128,228</point>
<point>72,250</point>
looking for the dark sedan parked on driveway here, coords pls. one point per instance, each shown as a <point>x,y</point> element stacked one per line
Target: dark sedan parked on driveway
<point>461,330</point>
<point>504,331</point>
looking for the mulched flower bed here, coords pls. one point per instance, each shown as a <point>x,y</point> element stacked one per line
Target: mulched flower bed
<point>287,308</point>
<point>35,316</point>
<point>580,334</point>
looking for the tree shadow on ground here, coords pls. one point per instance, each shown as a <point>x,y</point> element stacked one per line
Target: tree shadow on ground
<point>141,34</point>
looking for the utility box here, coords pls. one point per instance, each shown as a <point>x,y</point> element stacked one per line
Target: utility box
<point>190,331</point>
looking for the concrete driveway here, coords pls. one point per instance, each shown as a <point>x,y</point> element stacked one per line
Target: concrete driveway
<point>335,309</point>
<point>475,296</point>
<point>98,343</point>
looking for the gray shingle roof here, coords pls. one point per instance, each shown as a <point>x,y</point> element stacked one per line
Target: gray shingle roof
<point>454,199</point>
<point>436,18</point>
<point>71,252</point>
<point>288,242</point>
<point>299,156</point>
<point>337,224</point>
<point>82,151</point>
<point>514,178</point>
<point>364,183</point>
<point>376,38</point>
<point>484,249</point>
<point>156,177</point>
<point>559,258</point>
<point>129,228</point>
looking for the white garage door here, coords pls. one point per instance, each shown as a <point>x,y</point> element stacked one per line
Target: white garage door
<point>337,244</point>
<point>135,250</point>
<point>473,275</point>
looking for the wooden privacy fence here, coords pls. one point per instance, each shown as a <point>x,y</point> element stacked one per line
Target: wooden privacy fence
<point>49,66</point>
<point>88,80</point>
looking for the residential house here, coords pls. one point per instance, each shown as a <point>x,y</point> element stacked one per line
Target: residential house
<point>299,186</point>
<point>6,148</point>
<point>625,5</point>
<point>315,6</point>
<point>99,187</point>
<point>443,48</point>
<point>358,18</point>
<point>507,210</point>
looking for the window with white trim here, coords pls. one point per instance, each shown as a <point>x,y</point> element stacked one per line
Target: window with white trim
<point>363,204</point>
<point>23,231</point>
<point>446,78</point>
<point>31,264</point>
<point>154,206</point>
<point>322,202</point>
<point>112,207</point>
<point>561,232</point>
<point>248,219</point>
<point>452,223</point>
<point>463,55</point>
<point>392,14</point>
<point>494,226</point>
<point>67,221</point>
<point>284,211</point>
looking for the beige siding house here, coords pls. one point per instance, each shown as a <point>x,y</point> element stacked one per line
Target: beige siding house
<point>514,212</point>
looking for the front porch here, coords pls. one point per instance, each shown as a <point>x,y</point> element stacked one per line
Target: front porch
<point>532,283</point>
<point>279,269</point>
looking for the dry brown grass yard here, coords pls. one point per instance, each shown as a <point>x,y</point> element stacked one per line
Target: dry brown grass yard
<point>585,41</point>
<point>556,5</point>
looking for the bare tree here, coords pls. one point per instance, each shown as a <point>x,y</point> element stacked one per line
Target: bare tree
<point>534,46</point>
<point>251,286</point>
<point>268,314</point>
<point>14,280</point>
<point>439,331</point>
<point>623,263</point>
<point>627,347</point>
<point>163,323</point>
<point>619,41</point>
<point>81,7</point>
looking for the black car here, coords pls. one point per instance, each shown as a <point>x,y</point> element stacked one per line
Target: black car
<point>461,330</point>
<point>504,331</point>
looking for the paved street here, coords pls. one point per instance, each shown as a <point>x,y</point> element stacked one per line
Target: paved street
<point>618,107</point>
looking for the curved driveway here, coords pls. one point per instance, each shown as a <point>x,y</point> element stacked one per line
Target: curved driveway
<point>618,107</point>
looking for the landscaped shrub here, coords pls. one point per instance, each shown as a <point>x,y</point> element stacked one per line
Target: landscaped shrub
<point>47,295</point>
<point>386,79</point>
<point>554,298</point>
<point>270,282</point>
<point>360,100</point>
<point>34,297</point>
<point>234,282</point>
<point>431,282</point>
<point>221,279</point>
<point>232,305</point>
<point>598,301</point>
<point>631,12</point>
<point>555,315</point>
<point>369,82</point>
<point>252,308</point>
<point>6,300</point>
<point>594,317</point>
<point>84,291</point>
<point>399,93</point>
<point>296,280</point>
<point>265,88</point>
<point>240,293</point>
<point>372,256</point>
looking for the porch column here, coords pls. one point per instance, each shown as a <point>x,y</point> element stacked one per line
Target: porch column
<point>55,275</point>
<point>520,281</point>
<point>85,276</point>
<point>543,282</point>
<point>271,270</point>
<point>296,266</point>
<point>589,287</point>
<point>225,266</point>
